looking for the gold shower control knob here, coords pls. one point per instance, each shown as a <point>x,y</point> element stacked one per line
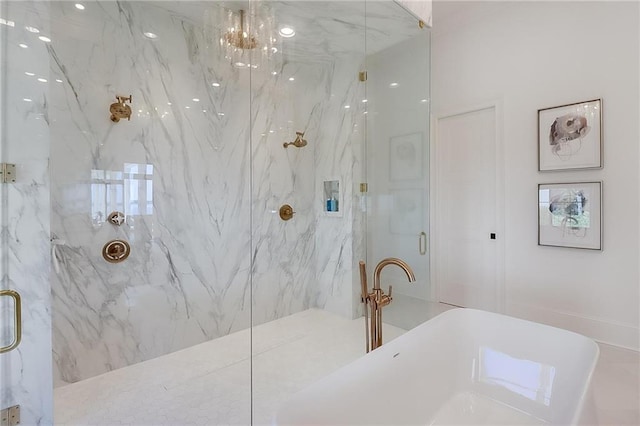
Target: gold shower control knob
<point>116,251</point>
<point>286,212</point>
<point>116,218</point>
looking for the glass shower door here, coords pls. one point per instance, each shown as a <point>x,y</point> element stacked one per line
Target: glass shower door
<point>25,364</point>
<point>398,76</point>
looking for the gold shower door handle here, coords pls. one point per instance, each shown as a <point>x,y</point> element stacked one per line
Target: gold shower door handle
<point>422,243</point>
<point>17,318</point>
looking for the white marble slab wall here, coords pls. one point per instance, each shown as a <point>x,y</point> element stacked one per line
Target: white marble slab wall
<point>219,176</point>
<point>309,260</point>
<point>25,372</point>
<point>186,150</point>
<point>339,156</point>
<point>284,251</point>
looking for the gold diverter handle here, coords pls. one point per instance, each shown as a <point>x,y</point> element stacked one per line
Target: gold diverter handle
<point>17,318</point>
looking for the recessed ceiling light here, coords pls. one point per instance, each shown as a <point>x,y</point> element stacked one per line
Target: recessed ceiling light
<point>168,103</point>
<point>24,46</point>
<point>364,101</point>
<point>45,39</point>
<point>291,78</point>
<point>221,114</point>
<point>30,74</point>
<point>150,35</point>
<point>32,29</point>
<point>393,85</point>
<point>347,106</point>
<point>195,100</point>
<point>42,80</point>
<point>187,107</point>
<point>79,6</point>
<point>58,80</point>
<point>215,84</point>
<point>27,100</point>
<point>204,110</point>
<point>272,131</point>
<point>423,101</point>
<point>287,32</point>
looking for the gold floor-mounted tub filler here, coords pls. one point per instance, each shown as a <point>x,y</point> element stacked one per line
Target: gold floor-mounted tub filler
<point>376,300</point>
<point>120,109</point>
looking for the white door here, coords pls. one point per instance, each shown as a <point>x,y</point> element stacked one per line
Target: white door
<point>466,209</point>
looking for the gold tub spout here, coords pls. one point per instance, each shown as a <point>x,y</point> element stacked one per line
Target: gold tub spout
<point>120,109</point>
<point>377,299</point>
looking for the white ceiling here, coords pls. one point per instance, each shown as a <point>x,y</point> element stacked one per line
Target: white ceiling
<point>324,29</point>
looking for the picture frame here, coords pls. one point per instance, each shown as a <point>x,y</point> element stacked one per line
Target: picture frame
<point>570,136</point>
<point>570,215</point>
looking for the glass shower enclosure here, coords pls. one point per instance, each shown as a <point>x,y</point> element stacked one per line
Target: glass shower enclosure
<point>197,181</point>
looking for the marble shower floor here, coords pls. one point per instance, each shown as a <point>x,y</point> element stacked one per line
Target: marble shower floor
<point>210,384</point>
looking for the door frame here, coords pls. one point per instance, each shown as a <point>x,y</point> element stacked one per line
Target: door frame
<point>435,213</point>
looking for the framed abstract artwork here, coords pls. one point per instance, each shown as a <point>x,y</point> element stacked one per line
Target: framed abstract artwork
<point>570,215</point>
<point>570,136</point>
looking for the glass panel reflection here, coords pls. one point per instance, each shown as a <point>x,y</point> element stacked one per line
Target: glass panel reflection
<point>531,379</point>
<point>129,191</point>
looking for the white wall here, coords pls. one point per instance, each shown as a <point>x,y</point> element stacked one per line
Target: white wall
<point>531,55</point>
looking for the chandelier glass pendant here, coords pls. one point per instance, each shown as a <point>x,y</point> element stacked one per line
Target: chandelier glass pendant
<point>247,37</point>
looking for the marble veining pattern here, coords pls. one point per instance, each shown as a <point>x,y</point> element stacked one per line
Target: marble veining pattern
<point>200,173</point>
<point>178,170</point>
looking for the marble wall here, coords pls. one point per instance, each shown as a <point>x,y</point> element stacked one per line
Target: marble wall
<point>200,181</point>
<point>25,372</point>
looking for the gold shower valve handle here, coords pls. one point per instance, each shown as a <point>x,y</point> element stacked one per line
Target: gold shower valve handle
<point>116,218</point>
<point>116,251</point>
<point>286,212</point>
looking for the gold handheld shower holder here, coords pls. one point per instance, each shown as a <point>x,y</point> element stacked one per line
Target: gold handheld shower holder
<point>120,109</point>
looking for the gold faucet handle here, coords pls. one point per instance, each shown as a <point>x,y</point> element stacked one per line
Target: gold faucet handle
<point>122,99</point>
<point>390,290</point>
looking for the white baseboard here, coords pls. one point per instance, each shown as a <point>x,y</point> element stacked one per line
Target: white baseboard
<point>600,330</point>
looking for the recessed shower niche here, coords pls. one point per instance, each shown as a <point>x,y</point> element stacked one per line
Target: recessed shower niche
<point>331,197</point>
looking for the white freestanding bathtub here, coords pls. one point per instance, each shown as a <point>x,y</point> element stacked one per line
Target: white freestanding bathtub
<point>463,367</point>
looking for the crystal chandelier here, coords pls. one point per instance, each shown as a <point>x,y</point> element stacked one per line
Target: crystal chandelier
<point>246,38</point>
